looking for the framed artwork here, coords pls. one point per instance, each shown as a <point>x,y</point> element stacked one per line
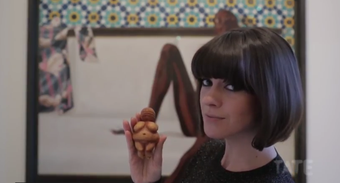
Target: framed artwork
<point>94,63</point>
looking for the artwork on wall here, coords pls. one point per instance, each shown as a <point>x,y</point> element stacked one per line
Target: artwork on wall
<point>101,61</point>
<point>171,13</point>
<point>55,86</point>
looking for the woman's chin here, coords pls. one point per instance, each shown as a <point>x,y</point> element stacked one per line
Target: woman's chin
<point>214,134</point>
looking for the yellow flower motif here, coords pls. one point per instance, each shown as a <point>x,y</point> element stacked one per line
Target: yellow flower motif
<point>289,22</point>
<point>250,21</point>
<point>212,2</point>
<point>132,19</point>
<point>192,2</point>
<point>270,3</point>
<point>172,2</point>
<point>250,3</point>
<point>114,2</point>
<point>93,17</point>
<point>113,18</point>
<point>172,19</point>
<point>74,1</point>
<point>94,1</point>
<point>290,40</point>
<point>74,16</point>
<point>55,1</point>
<point>133,2</point>
<point>209,20</point>
<point>191,19</point>
<point>231,3</point>
<point>152,19</point>
<point>54,14</point>
<point>289,3</point>
<point>269,21</point>
<point>153,2</point>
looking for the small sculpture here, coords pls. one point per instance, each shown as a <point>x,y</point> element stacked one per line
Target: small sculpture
<point>145,134</point>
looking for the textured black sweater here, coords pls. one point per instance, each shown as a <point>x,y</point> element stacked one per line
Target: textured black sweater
<point>205,167</point>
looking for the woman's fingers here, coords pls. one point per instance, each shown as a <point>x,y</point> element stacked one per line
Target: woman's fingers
<point>133,122</point>
<point>128,137</point>
<point>126,126</point>
<point>138,116</point>
<point>135,119</point>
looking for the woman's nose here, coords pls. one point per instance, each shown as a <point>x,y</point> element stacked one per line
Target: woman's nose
<point>212,98</point>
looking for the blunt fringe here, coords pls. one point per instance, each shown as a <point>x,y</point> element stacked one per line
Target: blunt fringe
<point>261,62</point>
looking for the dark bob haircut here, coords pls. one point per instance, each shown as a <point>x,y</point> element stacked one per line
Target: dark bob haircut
<point>261,62</point>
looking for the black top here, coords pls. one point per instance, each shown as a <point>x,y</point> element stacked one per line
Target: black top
<point>205,167</point>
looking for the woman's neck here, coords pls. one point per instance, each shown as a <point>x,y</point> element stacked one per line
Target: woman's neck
<point>241,156</point>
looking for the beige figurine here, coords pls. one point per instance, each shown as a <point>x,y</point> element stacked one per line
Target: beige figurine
<point>145,134</point>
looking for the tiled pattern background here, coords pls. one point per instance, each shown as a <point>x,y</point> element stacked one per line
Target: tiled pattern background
<point>170,13</point>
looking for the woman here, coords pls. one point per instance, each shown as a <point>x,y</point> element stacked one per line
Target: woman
<point>250,97</point>
<point>171,70</point>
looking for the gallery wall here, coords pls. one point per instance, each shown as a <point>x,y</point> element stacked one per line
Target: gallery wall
<point>13,45</point>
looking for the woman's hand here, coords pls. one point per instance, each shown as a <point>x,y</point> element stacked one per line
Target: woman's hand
<point>143,170</point>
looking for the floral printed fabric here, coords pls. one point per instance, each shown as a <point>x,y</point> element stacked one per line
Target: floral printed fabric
<point>86,44</point>
<point>55,87</point>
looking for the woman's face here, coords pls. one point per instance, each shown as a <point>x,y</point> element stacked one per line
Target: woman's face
<point>225,112</point>
<point>220,23</point>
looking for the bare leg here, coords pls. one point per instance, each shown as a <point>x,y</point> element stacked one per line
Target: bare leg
<point>149,150</point>
<point>171,68</point>
<point>140,148</point>
<point>141,154</point>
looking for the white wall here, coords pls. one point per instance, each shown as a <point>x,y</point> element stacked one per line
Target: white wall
<point>121,81</point>
<point>323,43</point>
<point>13,21</point>
<point>323,87</point>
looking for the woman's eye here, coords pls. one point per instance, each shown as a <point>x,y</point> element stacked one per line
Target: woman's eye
<point>230,87</point>
<point>206,82</point>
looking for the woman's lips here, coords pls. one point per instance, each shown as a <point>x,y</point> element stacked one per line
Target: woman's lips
<point>210,117</point>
